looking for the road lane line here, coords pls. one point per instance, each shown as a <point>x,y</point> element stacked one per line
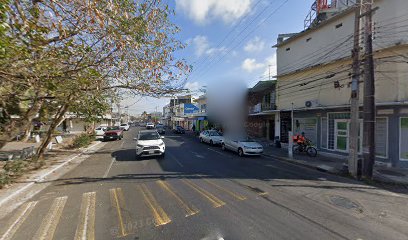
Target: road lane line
<point>216,202</point>
<point>190,210</point>
<point>86,224</point>
<point>18,219</point>
<point>221,153</point>
<point>51,220</point>
<point>159,215</point>
<point>118,203</point>
<point>109,168</point>
<point>235,195</point>
<point>175,159</point>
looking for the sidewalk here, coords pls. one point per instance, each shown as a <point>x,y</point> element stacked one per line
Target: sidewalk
<point>325,162</point>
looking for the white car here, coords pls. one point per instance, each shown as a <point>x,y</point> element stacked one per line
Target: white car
<point>243,146</point>
<point>100,131</point>
<point>149,125</point>
<point>211,136</point>
<point>124,126</point>
<point>149,143</point>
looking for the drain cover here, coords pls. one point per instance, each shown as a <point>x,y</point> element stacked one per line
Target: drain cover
<point>390,172</point>
<point>344,202</point>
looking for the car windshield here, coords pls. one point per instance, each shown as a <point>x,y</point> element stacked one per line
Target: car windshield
<point>113,128</point>
<point>123,124</point>
<point>214,133</point>
<point>98,128</point>
<point>149,136</point>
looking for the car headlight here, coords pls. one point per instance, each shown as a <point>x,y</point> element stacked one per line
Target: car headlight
<point>161,144</point>
<point>139,146</point>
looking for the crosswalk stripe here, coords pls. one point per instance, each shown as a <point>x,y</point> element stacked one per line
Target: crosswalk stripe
<point>86,224</point>
<point>216,202</point>
<point>51,220</point>
<point>190,210</point>
<point>18,219</point>
<point>159,215</point>
<point>118,202</point>
<point>235,195</point>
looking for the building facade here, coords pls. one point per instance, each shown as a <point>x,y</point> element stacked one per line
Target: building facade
<point>314,81</point>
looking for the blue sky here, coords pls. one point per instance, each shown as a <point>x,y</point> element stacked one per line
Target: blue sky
<point>229,39</point>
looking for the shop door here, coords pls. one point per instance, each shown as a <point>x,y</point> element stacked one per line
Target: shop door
<point>341,135</point>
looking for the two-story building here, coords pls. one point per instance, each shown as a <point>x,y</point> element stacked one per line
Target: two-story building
<point>262,110</point>
<point>314,79</point>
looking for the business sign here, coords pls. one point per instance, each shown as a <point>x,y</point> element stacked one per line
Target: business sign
<point>190,108</point>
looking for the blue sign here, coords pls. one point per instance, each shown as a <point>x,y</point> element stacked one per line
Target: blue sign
<point>190,108</point>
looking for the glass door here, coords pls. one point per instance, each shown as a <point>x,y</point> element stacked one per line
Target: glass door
<point>341,135</point>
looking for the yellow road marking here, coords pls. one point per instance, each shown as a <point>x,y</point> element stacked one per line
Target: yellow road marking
<point>18,219</point>
<point>159,215</point>
<point>235,195</point>
<point>216,202</point>
<point>50,222</point>
<point>190,210</point>
<point>118,202</point>
<point>86,224</point>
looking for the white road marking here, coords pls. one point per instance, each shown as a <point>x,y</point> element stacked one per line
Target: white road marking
<point>86,224</point>
<point>20,219</point>
<point>109,168</point>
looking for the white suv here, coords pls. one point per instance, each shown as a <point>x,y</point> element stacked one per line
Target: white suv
<point>149,143</point>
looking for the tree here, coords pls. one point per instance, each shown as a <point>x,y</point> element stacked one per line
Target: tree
<point>69,50</point>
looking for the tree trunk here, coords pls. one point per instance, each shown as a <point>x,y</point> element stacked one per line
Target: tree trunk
<point>59,117</point>
<point>27,134</point>
<point>16,127</point>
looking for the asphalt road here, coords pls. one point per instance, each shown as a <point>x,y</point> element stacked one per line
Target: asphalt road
<point>200,192</point>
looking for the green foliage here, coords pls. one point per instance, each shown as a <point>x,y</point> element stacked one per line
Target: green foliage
<point>82,140</point>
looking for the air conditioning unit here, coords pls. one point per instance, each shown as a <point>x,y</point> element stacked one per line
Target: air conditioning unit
<point>312,103</point>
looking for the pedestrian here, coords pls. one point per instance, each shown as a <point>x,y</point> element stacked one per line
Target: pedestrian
<point>193,128</point>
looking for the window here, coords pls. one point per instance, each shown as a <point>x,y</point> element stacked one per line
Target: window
<point>381,137</point>
<point>324,132</point>
<point>404,138</point>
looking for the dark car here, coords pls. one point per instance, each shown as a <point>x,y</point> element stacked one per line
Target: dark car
<point>160,129</point>
<point>113,133</point>
<point>179,129</point>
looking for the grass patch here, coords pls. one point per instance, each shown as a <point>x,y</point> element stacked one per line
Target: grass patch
<point>82,140</point>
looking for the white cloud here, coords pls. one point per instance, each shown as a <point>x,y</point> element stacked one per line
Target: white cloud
<point>202,46</point>
<point>193,86</point>
<point>250,65</point>
<point>255,45</point>
<point>203,11</point>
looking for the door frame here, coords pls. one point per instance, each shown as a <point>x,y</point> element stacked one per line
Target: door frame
<point>335,134</point>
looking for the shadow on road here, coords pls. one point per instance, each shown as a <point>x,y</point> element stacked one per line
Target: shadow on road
<point>202,160</point>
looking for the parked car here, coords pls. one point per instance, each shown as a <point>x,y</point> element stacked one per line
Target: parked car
<point>179,129</point>
<point>243,146</point>
<point>149,125</point>
<point>113,133</point>
<point>125,126</point>
<point>211,136</point>
<point>100,131</point>
<point>160,129</point>
<point>149,143</point>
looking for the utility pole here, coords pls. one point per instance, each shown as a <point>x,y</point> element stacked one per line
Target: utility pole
<point>369,95</point>
<point>355,92</point>
<point>270,72</point>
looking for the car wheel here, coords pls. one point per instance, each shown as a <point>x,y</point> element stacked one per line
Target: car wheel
<point>223,147</point>
<point>201,140</point>
<point>240,152</point>
<point>211,143</point>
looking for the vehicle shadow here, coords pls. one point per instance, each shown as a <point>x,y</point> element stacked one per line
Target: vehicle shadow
<point>203,160</point>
